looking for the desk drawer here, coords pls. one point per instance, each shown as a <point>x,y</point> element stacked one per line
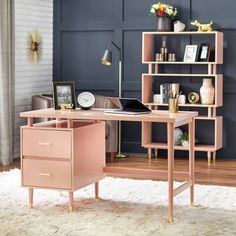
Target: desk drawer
<point>49,174</point>
<point>47,143</point>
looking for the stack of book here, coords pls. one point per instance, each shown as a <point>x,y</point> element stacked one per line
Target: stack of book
<point>167,89</point>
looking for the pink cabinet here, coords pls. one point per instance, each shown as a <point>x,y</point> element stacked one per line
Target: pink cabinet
<point>57,157</point>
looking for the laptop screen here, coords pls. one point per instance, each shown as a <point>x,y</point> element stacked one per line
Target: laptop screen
<point>129,104</point>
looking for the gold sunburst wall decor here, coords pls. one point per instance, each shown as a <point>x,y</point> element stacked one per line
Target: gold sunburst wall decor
<point>34,46</point>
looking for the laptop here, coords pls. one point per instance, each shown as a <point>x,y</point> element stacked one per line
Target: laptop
<point>128,106</point>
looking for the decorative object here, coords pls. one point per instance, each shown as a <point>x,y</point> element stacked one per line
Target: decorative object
<point>204,52</point>
<point>171,57</point>
<point>193,97</point>
<point>173,105</point>
<point>202,27</point>
<point>182,99</point>
<point>159,57</point>
<point>157,98</point>
<point>64,95</point>
<point>184,140</point>
<point>164,49</point>
<point>118,212</point>
<point>179,26</point>
<point>34,46</point>
<point>86,100</point>
<point>165,15</point>
<point>177,135</point>
<point>190,53</point>
<point>207,92</point>
<point>107,60</point>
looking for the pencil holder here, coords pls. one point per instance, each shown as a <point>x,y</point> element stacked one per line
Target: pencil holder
<point>173,105</point>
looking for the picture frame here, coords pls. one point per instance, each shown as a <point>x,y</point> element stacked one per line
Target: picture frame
<point>64,95</point>
<point>204,52</point>
<point>190,53</point>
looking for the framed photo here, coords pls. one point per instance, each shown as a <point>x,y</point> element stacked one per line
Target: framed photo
<point>204,52</point>
<point>190,53</point>
<point>64,95</point>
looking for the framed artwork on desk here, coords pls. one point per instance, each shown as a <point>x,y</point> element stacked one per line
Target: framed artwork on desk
<point>64,95</point>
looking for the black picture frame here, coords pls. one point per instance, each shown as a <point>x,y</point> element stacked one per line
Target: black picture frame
<point>64,95</point>
<point>204,52</point>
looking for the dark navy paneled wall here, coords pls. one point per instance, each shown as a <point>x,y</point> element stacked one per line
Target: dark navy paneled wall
<point>83,30</point>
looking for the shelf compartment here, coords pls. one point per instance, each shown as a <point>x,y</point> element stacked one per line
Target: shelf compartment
<point>148,46</point>
<point>198,147</point>
<point>147,91</point>
<point>218,142</point>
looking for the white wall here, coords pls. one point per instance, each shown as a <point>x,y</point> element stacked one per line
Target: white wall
<point>31,79</point>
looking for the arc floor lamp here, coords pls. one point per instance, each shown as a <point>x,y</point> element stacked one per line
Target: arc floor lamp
<point>107,60</point>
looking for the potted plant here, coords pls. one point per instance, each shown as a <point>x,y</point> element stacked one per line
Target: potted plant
<point>165,14</point>
<point>184,140</point>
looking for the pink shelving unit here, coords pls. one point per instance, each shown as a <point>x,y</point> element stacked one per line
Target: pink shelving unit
<point>148,40</point>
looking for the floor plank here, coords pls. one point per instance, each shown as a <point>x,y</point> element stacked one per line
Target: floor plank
<point>221,172</point>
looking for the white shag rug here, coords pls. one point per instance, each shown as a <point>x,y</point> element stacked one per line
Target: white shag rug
<point>127,207</point>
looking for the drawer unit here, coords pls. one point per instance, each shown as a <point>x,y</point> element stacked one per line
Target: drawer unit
<point>48,174</point>
<point>46,143</point>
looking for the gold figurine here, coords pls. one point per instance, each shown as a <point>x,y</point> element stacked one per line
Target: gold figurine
<point>202,27</point>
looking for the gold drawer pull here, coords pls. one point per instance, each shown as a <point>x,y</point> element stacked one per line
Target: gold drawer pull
<point>44,144</point>
<point>45,174</point>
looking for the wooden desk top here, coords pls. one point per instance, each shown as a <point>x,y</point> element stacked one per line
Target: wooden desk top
<point>98,114</point>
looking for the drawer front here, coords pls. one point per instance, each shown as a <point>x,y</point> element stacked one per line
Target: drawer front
<point>47,143</point>
<point>49,174</point>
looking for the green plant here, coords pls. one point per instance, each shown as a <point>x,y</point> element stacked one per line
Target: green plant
<point>184,139</point>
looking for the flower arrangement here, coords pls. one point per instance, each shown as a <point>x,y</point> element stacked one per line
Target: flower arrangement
<point>163,10</point>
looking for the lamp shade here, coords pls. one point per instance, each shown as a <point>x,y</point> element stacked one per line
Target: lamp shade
<point>107,58</point>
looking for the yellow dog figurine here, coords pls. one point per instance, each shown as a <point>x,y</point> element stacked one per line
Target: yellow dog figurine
<point>202,27</point>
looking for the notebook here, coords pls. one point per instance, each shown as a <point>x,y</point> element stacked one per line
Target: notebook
<point>129,106</point>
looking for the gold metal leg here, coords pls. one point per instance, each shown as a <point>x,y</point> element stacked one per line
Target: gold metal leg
<point>71,201</point>
<point>209,156</point>
<point>214,156</point>
<point>156,153</point>
<point>149,153</point>
<point>96,190</point>
<point>31,194</point>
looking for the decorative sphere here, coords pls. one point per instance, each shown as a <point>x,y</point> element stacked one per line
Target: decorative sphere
<point>177,134</point>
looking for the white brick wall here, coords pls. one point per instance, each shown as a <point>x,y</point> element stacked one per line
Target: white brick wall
<point>31,79</point>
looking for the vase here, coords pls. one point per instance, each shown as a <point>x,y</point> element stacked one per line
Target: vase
<point>164,24</point>
<point>207,92</point>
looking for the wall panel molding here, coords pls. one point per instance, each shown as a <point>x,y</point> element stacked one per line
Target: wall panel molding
<point>130,18</point>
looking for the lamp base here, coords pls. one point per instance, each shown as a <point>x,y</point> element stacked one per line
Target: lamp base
<point>120,155</point>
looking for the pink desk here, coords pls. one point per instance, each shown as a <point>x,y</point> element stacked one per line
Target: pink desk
<point>34,153</point>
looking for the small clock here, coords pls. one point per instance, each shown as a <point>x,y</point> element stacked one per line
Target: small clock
<point>86,100</point>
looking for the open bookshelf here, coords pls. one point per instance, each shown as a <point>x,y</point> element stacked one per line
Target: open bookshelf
<point>148,54</point>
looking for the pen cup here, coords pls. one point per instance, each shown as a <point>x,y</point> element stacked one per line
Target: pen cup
<point>173,105</point>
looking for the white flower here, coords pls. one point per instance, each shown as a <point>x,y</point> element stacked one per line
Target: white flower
<point>153,10</point>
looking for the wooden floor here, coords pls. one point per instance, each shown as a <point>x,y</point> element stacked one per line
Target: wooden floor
<point>221,172</point>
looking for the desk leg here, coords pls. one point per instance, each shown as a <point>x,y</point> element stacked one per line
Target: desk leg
<point>170,138</point>
<point>71,200</point>
<point>96,190</point>
<point>191,128</point>
<point>31,194</point>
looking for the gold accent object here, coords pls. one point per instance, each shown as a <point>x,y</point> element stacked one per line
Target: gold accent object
<point>34,46</point>
<point>65,106</point>
<point>30,205</point>
<point>193,97</point>
<point>202,27</point>
<point>170,220</point>
<point>70,209</point>
<point>173,105</point>
<point>45,174</point>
